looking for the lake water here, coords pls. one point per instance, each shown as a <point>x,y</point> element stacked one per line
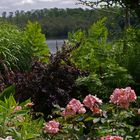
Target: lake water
<point>52,43</point>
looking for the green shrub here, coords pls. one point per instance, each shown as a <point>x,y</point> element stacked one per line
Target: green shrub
<point>11,43</point>
<point>18,48</point>
<point>131,51</point>
<point>128,53</point>
<point>97,56</point>
<point>98,119</point>
<point>16,119</point>
<point>37,41</point>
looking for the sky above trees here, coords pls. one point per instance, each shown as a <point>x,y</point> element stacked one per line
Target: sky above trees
<point>13,5</point>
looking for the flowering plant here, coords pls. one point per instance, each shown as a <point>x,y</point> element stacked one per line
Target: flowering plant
<point>73,107</point>
<point>111,138</point>
<point>90,119</point>
<point>51,127</point>
<point>123,97</point>
<point>16,121</point>
<point>98,121</point>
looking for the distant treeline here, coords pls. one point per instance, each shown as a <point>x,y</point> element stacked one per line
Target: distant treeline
<point>58,22</point>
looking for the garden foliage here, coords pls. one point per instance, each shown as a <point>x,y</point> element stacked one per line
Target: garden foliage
<point>16,120</point>
<point>49,84</point>
<point>97,55</point>
<point>14,51</point>
<point>90,119</point>
<point>37,41</point>
<point>87,68</point>
<point>128,50</point>
<point>17,48</point>
<point>94,120</point>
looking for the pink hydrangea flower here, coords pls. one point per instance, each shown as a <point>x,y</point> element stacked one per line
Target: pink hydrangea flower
<point>73,107</point>
<point>82,110</point>
<point>51,127</point>
<point>17,108</point>
<point>92,102</point>
<point>123,97</point>
<point>111,138</point>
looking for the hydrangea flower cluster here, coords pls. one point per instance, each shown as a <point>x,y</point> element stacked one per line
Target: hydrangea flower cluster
<point>73,107</point>
<point>51,127</point>
<point>111,138</point>
<point>123,97</point>
<point>92,102</point>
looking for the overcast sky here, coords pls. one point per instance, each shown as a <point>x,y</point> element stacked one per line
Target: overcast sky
<point>13,5</point>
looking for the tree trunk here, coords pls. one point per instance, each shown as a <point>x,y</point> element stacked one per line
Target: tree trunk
<point>127,17</point>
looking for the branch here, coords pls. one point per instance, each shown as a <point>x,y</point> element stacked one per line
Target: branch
<point>95,4</point>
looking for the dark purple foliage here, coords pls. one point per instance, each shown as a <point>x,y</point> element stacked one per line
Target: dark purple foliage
<point>49,84</point>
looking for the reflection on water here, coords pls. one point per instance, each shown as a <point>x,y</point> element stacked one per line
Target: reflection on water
<point>52,43</point>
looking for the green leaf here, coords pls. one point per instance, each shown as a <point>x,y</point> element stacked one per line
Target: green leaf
<point>89,119</point>
<point>7,92</point>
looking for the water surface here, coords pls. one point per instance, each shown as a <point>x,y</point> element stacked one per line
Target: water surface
<point>52,43</point>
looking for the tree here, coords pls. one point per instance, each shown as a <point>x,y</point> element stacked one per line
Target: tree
<point>10,16</point>
<point>17,16</point>
<point>133,5</point>
<point>56,23</point>
<point>4,15</point>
